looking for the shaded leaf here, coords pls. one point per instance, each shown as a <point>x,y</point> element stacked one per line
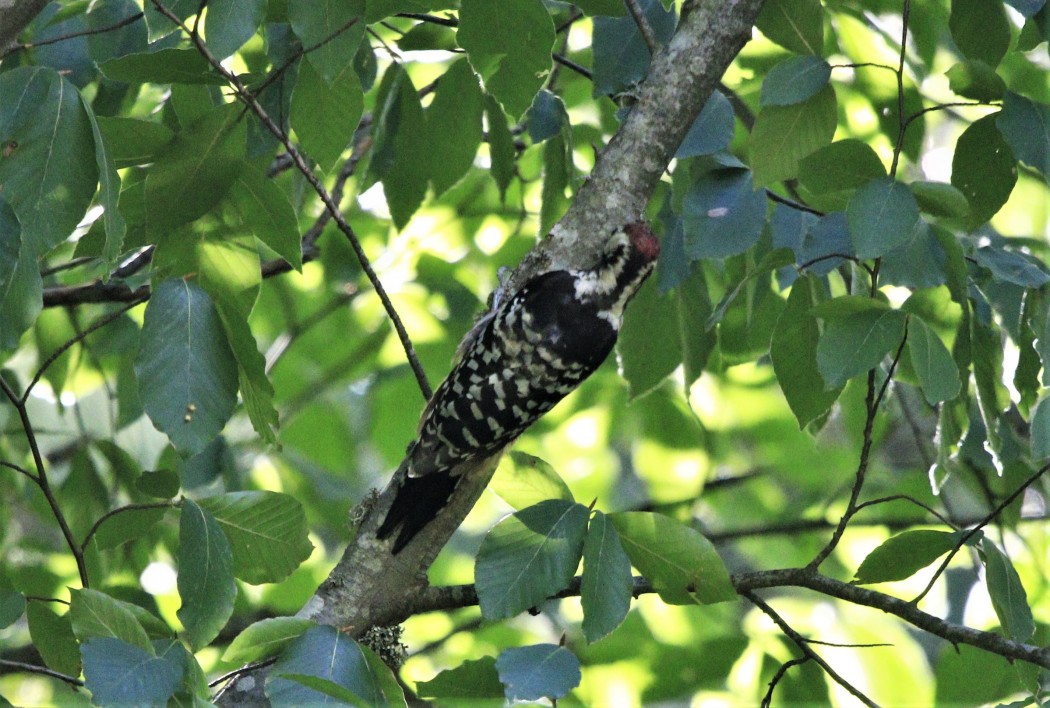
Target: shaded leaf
<point>984,168</point>
<point>938,375</point>
<point>606,586</point>
<point>332,29</point>
<point>854,344</point>
<point>52,636</point>
<point>118,673</point>
<point>96,614</point>
<point>882,215</point>
<point>1009,598</point>
<point>186,372</point>
<point>205,581</point>
<point>794,80</point>
<point>844,164</point>
<point>538,671</point>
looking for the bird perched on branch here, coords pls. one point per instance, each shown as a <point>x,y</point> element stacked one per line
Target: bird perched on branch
<point>525,354</point>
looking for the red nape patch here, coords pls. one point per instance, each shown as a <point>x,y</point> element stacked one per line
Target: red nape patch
<point>643,239</point>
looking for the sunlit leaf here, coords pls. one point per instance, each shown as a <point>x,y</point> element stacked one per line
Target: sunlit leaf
<point>529,557</point>
<point>265,638</point>
<point>522,480</point>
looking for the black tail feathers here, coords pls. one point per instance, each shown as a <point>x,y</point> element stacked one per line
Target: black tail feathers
<point>416,504</point>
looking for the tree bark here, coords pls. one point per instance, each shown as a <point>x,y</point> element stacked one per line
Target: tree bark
<point>15,16</point>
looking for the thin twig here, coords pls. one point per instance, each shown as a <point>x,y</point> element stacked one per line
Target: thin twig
<point>902,123</point>
<point>773,196</point>
<point>41,479</point>
<point>570,64</point>
<point>42,670</point>
<point>300,163</point>
<point>73,35</point>
<point>118,510</point>
<point>95,326</point>
<point>872,402</point>
<point>913,500</point>
<point>643,26</point>
<point>767,700</point>
<point>976,529</point>
<point>804,647</point>
<point>16,468</point>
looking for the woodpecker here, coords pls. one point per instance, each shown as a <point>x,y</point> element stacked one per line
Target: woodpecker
<point>525,354</point>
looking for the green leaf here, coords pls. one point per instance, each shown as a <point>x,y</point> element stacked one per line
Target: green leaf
<point>48,183</point>
<point>118,673</point>
<point>980,29</point>
<point>453,126</point>
<point>21,286</point>
<point>1011,267</point>
<point>132,141</point>
<point>501,145</point>
<point>614,8</point>
<point>794,354</point>
<point>557,173</point>
<point>325,114</point>
<point>326,653</point>
<point>940,199</point>
<point>159,484</point>
<point>529,557</point>
<point>186,372</point>
<point>96,614</point>
<point>1009,598</point>
<point>205,581</point>
<point>712,131</point>
<point>539,671</point>
<point>522,480</point>
<point>621,55</point>
<point>882,215</point>
<point>128,525</point>
<point>983,169</point>
<point>109,190</point>
<point>783,135</point>
<point>231,23</point>
<point>471,679</point>
<point>266,531</point>
<point>681,564</point>
<point>1040,425</point>
<point>722,215</point>
<point>796,25</point>
<point>1026,127</point>
<point>794,80</point>
<point>975,79</point>
<point>648,345</point>
<point>265,638</point>
<point>509,46</point>
<point>196,170</point>
<point>970,676</point>
<point>845,164</point>
<point>266,211</point>
<point>853,345</point>
<point>52,636</point>
<point>938,375</point>
<point>12,604</point>
<point>399,140</point>
<point>606,587</point>
<point>324,26</point>
<point>164,66</point>
<point>903,555</point>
